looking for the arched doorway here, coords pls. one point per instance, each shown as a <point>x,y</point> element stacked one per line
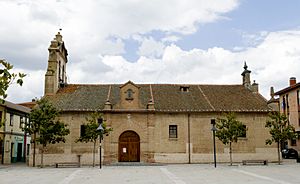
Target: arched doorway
<point>129,147</point>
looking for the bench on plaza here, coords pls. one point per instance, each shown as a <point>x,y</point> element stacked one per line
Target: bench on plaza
<point>67,164</point>
<point>264,162</point>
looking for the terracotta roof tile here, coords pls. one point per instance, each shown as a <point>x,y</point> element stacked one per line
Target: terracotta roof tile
<point>166,97</point>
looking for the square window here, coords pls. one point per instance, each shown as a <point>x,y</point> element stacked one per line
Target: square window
<point>172,131</point>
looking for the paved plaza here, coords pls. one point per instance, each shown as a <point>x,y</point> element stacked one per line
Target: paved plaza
<point>288,173</point>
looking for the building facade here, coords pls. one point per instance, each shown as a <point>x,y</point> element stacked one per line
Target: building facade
<point>289,100</point>
<point>160,123</point>
<point>14,143</point>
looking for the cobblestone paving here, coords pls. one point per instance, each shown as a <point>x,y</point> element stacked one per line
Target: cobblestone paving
<point>288,173</point>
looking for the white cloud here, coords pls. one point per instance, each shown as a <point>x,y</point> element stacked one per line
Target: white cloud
<point>272,63</point>
<point>88,25</point>
<point>151,48</point>
<point>94,32</point>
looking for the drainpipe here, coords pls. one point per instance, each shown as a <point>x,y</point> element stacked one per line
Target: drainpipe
<point>189,139</point>
<point>4,134</point>
<point>25,141</point>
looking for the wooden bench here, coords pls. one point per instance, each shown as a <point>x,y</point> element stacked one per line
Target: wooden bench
<point>67,164</point>
<point>265,162</point>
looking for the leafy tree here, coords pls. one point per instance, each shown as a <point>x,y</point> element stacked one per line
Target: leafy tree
<point>280,130</point>
<point>45,124</point>
<point>90,132</point>
<point>7,78</point>
<point>229,129</point>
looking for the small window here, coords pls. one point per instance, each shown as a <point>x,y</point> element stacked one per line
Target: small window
<point>172,131</point>
<point>244,133</point>
<point>11,121</point>
<point>293,142</point>
<point>184,88</point>
<point>129,93</point>
<point>82,130</point>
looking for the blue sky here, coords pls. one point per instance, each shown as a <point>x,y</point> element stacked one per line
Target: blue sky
<point>171,41</point>
<point>251,17</point>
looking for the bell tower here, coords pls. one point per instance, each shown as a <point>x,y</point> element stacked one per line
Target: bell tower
<point>55,76</point>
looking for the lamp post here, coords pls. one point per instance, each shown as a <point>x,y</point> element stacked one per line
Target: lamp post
<point>100,129</point>
<point>214,129</point>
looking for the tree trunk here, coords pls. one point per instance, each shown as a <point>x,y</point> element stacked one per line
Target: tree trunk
<point>94,153</point>
<point>42,157</point>
<point>34,147</point>
<point>230,153</point>
<point>278,150</point>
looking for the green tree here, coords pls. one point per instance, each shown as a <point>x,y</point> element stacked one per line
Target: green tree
<point>46,125</point>
<point>7,78</point>
<point>229,129</point>
<point>280,130</point>
<point>90,132</point>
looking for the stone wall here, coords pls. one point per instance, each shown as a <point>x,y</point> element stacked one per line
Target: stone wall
<point>193,145</point>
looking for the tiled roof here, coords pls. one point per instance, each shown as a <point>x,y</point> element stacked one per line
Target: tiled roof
<point>16,107</point>
<point>28,104</point>
<point>166,98</point>
<point>290,88</point>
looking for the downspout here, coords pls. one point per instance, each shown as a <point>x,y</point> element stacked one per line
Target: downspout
<point>4,134</point>
<point>25,140</point>
<point>189,139</point>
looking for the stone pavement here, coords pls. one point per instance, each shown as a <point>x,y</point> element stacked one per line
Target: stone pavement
<point>288,173</point>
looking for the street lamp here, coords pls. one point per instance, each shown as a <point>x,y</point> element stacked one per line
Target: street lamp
<point>214,129</point>
<point>101,130</point>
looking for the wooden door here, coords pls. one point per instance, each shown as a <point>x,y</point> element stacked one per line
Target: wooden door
<point>129,147</point>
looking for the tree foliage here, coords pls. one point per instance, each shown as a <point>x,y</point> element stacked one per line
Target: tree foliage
<point>229,129</point>
<point>90,132</point>
<point>280,130</point>
<point>45,123</point>
<point>7,78</point>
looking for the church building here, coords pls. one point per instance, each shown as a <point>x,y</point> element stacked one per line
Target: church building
<point>154,123</point>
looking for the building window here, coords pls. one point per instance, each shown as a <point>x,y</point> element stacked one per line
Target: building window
<point>293,142</point>
<point>172,131</point>
<point>184,88</point>
<point>11,120</point>
<point>283,104</point>
<point>22,121</point>
<point>82,130</point>
<point>298,98</point>
<point>244,133</point>
<point>129,93</point>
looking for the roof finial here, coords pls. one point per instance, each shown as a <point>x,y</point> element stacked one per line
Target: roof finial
<point>272,92</point>
<point>245,65</point>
